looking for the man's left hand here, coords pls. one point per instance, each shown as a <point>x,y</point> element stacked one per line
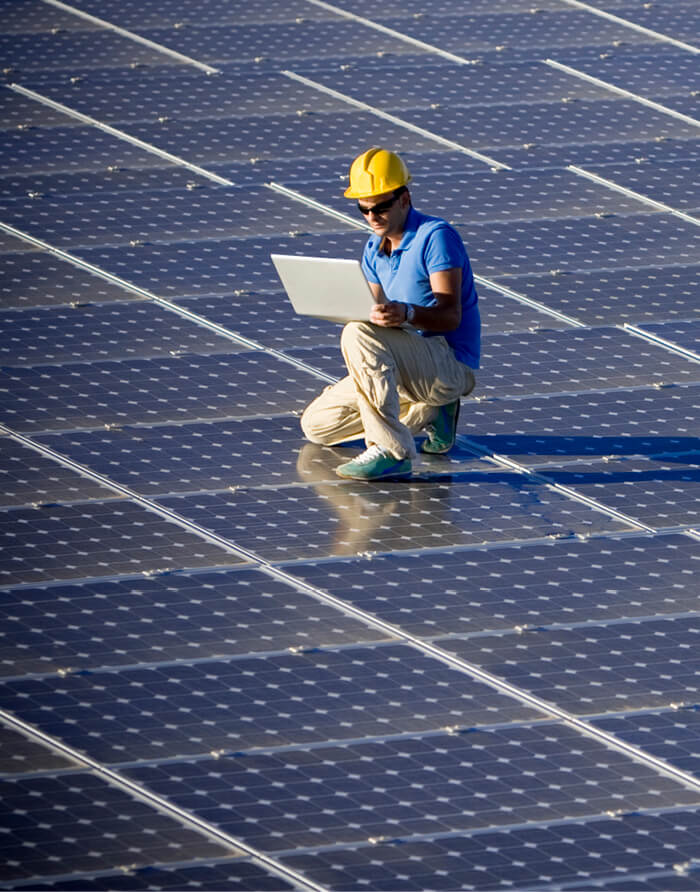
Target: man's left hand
<point>390,315</point>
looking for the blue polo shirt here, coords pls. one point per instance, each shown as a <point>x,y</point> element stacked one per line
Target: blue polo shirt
<point>429,245</point>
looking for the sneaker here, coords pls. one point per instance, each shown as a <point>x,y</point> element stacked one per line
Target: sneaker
<point>442,433</point>
<point>373,464</point>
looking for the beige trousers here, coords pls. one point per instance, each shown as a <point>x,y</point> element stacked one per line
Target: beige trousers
<point>396,381</point>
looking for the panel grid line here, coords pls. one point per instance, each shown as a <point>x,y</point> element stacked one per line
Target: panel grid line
<point>497,683</point>
<point>116,132</point>
<point>162,804</point>
<point>657,35</point>
<point>657,106</point>
<point>165,303</point>
<point>131,35</point>
<point>394,119</point>
<point>630,193</point>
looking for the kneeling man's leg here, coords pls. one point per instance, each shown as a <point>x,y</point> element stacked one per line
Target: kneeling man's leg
<point>370,361</point>
<point>333,417</point>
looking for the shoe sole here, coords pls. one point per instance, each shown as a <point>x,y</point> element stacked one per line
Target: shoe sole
<point>390,476</point>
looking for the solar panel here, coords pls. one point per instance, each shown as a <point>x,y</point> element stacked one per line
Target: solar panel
<point>114,331</point>
<point>220,665</point>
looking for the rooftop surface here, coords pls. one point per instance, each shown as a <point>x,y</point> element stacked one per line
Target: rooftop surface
<point>222,666</point>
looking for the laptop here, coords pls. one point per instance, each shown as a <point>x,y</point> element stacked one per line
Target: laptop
<point>327,288</point>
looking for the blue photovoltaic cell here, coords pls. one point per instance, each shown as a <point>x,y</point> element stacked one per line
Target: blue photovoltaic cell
<point>495,127</point>
<point>20,754</point>
<point>55,51</point>
<point>233,874</point>
<point>592,669</point>
<point>680,20</point>
<point>35,16</point>
<point>13,244</point>
<point>54,149</point>
<point>581,359</point>
<point>279,43</point>
<point>586,154</point>
<point>99,182</point>
<point>578,245</point>
<point>215,141</point>
<point>333,519</point>
<point>589,854</point>
<point>187,95</point>
<point>266,317</point>
<point>35,279</point>
<point>501,313</point>
<point>180,709</point>
<point>198,13</point>
<point>478,779</point>
<point>529,585</point>
<point>218,267</point>
<point>17,111</point>
<point>537,30</point>
<point>174,616</point>
<point>672,735</point>
<point>77,822</point>
<point>214,212</point>
<point>637,295</point>
<point>220,455</point>
<point>672,183</point>
<point>586,426</point>
<point>683,334</point>
<point>97,539</point>
<point>389,85</point>
<point>661,492</point>
<point>106,331</point>
<point>647,74</point>
<point>181,388</point>
<point>27,477</point>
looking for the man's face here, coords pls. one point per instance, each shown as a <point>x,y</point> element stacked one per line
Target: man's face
<point>390,214</point>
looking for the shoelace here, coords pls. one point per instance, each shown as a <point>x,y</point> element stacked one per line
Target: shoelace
<point>369,455</point>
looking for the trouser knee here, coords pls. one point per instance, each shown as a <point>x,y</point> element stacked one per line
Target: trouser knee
<point>310,426</point>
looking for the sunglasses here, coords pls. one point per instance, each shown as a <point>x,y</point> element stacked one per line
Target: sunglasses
<point>378,209</point>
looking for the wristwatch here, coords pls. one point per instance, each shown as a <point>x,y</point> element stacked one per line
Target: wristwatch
<point>410,312</point>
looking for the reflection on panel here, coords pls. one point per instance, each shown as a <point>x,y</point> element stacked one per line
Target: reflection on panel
<point>352,518</point>
<point>222,455</point>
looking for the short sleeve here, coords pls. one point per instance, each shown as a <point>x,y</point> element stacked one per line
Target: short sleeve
<point>444,249</point>
<point>368,266</point>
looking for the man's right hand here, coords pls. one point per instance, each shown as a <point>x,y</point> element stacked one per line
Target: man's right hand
<point>389,315</point>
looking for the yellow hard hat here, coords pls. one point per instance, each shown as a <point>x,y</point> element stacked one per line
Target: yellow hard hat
<point>375,172</point>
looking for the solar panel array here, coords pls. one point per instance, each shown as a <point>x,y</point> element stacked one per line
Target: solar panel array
<point>222,666</point>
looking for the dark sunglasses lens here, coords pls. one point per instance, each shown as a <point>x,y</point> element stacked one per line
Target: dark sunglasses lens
<point>376,208</point>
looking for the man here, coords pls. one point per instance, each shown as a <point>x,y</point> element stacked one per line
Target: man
<point>410,364</point>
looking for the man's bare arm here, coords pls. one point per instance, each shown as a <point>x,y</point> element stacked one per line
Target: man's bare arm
<point>446,315</point>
